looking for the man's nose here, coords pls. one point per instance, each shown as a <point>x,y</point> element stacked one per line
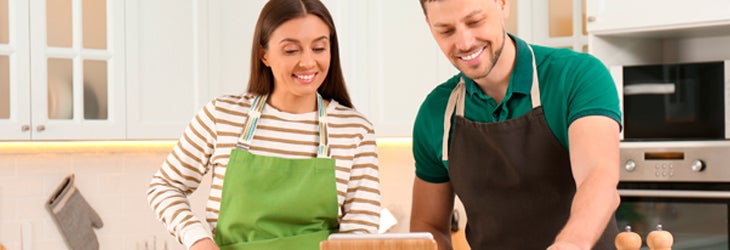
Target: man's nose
<point>464,40</point>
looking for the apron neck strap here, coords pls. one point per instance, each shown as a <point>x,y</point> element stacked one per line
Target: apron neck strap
<point>535,89</point>
<point>254,113</point>
<point>458,97</point>
<point>323,149</point>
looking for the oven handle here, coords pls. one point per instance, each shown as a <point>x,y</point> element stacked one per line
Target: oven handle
<point>674,194</point>
<point>650,88</point>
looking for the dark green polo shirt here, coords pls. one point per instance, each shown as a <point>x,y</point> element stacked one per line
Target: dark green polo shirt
<point>572,85</point>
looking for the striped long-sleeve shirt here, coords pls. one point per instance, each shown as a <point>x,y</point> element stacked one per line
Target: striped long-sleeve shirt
<point>207,142</point>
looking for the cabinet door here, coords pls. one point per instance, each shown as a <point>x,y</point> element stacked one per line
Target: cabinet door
<point>408,63</point>
<point>14,71</point>
<point>611,16</point>
<point>390,60</point>
<point>77,50</point>
<point>166,66</point>
<point>557,23</point>
<point>232,23</point>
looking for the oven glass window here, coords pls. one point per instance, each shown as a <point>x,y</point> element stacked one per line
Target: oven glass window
<point>674,101</point>
<point>694,225</point>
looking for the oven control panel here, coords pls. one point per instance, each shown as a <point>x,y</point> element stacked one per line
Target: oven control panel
<point>674,161</point>
<point>665,169</point>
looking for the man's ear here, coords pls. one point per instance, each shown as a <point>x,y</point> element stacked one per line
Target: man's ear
<point>504,6</point>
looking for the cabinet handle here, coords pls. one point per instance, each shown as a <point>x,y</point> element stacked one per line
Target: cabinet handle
<point>40,128</point>
<point>591,19</point>
<point>25,128</point>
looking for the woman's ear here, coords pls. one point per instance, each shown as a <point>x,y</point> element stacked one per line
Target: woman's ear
<point>262,56</point>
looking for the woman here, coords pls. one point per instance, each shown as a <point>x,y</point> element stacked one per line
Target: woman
<point>292,161</point>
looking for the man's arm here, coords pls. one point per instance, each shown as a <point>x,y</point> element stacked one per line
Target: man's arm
<point>431,210</point>
<point>594,155</point>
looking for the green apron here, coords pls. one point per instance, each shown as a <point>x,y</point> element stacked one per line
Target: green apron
<point>277,203</point>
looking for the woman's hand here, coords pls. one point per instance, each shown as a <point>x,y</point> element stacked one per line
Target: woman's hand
<point>204,244</point>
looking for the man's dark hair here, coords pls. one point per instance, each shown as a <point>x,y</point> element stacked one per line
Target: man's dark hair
<point>423,3</point>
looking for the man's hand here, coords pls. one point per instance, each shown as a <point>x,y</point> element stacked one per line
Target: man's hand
<point>565,246</point>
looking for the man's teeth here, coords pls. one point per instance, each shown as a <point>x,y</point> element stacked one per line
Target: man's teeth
<point>473,55</point>
<point>305,77</point>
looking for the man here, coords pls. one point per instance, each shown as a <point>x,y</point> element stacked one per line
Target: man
<point>526,136</point>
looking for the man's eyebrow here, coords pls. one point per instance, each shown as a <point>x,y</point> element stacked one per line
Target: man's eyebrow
<point>469,16</point>
<point>472,14</point>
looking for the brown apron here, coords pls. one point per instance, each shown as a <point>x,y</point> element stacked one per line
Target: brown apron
<point>513,177</point>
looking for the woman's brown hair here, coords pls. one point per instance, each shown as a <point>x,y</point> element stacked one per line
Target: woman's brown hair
<point>275,13</point>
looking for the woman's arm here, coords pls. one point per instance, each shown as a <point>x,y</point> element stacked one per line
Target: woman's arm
<point>361,209</point>
<point>180,175</point>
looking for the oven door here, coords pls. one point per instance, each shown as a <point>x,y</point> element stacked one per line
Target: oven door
<point>696,214</point>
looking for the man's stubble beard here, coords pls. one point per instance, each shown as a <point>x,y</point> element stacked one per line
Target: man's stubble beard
<point>495,58</point>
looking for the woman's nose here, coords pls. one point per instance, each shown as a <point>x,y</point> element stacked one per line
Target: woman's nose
<point>306,60</point>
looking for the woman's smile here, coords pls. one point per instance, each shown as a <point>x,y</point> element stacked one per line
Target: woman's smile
<point>305,78</point>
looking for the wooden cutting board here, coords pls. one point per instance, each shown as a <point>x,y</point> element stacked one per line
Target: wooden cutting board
<point>379,244</point>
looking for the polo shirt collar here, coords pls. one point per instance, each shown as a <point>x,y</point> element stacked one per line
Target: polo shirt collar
<point>521,77</point>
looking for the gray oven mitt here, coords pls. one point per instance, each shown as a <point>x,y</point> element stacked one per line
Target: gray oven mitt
<point>74,216</point>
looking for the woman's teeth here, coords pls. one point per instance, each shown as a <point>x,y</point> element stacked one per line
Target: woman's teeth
<point>473,55</point>
<point>305,77</point>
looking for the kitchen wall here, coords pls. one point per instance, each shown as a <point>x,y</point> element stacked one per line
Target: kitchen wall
<point>113,177</point>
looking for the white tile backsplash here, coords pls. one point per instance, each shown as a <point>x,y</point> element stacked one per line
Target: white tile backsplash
<point>115,183</point>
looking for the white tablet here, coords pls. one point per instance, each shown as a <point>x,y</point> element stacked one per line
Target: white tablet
<point>383,236</point>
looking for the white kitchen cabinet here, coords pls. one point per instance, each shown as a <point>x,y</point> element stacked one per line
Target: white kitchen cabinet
<point>406,65</point>
<point>167,66</point>
<point>65,64</point>
<point>231,26</point>
<point>623,16</point>
<point>14,71</point>
<point>554,23</point>
<point>152,89</point>
<point>390,60</point>
<point>658,31</point>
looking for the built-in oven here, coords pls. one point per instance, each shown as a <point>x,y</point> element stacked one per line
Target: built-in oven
<point>675,152</point>
<point>686,191</point>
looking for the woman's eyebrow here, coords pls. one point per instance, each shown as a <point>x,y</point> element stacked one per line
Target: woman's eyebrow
<point>297,41</point>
